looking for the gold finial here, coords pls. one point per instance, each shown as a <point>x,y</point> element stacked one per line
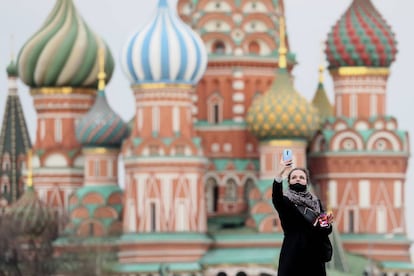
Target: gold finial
<point>29,169</point>
<point>101,73</point>
<point>321,66</point>
<point>282,46</point>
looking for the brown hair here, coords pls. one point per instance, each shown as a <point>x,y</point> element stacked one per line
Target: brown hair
<point>300,169</point>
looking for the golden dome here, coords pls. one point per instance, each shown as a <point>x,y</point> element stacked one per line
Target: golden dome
<point>282,112</point>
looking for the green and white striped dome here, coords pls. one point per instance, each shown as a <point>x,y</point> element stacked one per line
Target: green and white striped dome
<point>64,52</point>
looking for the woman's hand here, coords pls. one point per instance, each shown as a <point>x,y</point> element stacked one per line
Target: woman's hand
<point>286,167</point>
<point>330,217</point>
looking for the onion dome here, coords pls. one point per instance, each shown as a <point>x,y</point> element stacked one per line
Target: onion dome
<point>29,214</point>
<point>282,112</point>
<point>64,52</point>
<point>12,69</point>
<point>101,126</point>
<point>166,50</point>
<point>361,37</point>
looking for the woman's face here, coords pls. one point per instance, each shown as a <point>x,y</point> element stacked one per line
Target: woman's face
<point>298,176</point>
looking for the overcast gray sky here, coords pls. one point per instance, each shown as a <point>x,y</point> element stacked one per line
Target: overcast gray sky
<point>308,23</point>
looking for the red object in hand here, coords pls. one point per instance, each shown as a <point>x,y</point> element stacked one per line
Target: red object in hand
<point>323,220</point>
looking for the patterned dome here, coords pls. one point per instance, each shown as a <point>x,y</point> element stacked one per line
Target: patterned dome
<point>12,69</point>
<point>30,214</point>
<point>166,50</point>
<point>63,52</point>
<point>101,126</point>
<point>282,112</point>
<point>361,37</point>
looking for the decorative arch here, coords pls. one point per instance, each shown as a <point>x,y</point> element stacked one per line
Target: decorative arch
<point>189,147</point>
<point>80,213</point>
<point>151,147</point>
<point>339,138</point>
<point>105,212</point>
<point>262,207</point>
<point>93,198</point>
<point>250,6</point>
<point>56,160</point>
<point>393,141</point>
<point>115,198</point>
<point>318,143</point>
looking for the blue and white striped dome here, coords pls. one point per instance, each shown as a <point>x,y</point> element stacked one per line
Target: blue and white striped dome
<point>166,50</point>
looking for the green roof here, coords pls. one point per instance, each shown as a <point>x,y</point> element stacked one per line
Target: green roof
<point>228,256</point>
<point>406,266</point>
<point>154,267</point>
<point>164,237</point>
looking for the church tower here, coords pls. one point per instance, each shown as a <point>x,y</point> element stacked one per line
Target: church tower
<point>360,156</point>
<point>242,40</point>
<point>60,64</point>
<point>95,210</point>
<point>163,157</point>
<point>14,143</point>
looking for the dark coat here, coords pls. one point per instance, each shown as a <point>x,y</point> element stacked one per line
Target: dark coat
<point>300,253</point>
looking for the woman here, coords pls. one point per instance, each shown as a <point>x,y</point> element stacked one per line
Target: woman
<point>302,250</point>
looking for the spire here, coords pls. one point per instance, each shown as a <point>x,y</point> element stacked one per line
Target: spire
<point>321,66</point>
<point>101,73</point>
<point>320,99</point>
<point>282,46</point>
<point>29,169</point>
<point>14,138</point>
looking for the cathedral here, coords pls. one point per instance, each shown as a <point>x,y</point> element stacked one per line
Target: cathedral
<point>215,105</point>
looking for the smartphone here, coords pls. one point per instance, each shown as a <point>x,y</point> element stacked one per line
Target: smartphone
<point>287,155</point>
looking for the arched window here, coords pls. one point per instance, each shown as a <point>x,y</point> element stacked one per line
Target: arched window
<point>241,273</point>
<point>221,273</point>
<point>211,195</point>
<point>248,186</point>
<point>219,47</point>
<point>231,190</point>
<point>215,107</point>
<point>254,48</point>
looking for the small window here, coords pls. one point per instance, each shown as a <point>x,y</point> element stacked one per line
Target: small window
<point>219,47</point>
<point>216,112</point>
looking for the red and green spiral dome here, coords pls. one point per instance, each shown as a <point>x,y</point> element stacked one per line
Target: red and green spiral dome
<point>361,37</point>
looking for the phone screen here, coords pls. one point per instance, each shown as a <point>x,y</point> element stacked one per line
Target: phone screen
<point>287,154</point>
